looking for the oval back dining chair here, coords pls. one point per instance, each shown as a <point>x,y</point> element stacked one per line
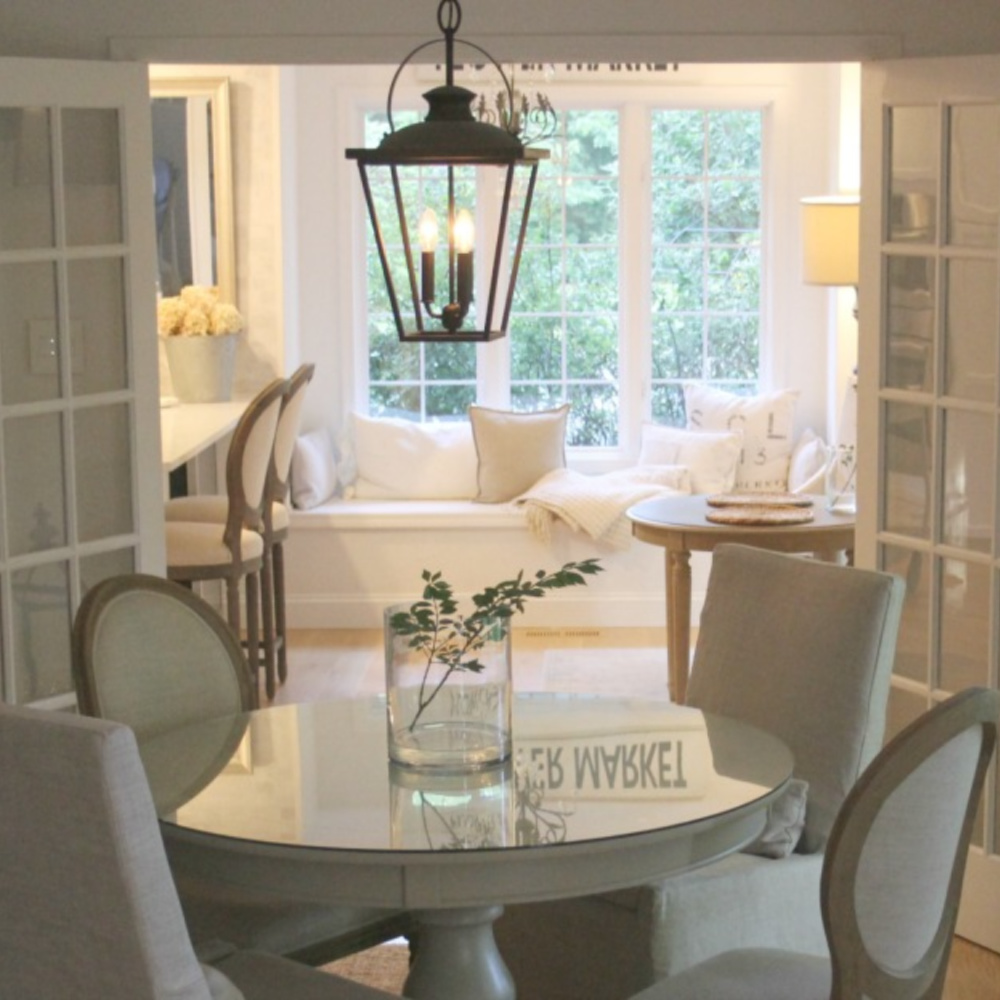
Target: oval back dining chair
<point>892,874</point>
<point>152,655</point>
<point>89,908</point>
<point>232,549</point>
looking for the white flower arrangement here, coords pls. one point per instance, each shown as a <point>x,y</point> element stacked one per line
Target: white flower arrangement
<point>197,312</point>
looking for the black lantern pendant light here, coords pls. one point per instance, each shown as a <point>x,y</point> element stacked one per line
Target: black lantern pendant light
<point>452,138</point>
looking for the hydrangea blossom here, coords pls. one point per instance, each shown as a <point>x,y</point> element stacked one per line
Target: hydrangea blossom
<point>197,312</point>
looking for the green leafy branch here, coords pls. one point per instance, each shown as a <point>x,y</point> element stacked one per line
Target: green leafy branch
<point>441,635</point>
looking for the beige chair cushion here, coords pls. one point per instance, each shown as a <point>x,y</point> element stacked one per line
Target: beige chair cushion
<point>190,544</point>
<point>213,507</point>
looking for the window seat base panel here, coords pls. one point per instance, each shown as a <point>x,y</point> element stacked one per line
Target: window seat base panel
<point>347,560</point>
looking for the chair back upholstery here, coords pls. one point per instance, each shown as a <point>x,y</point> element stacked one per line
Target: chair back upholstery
<point>249,460</point>
<point>804,650</point>
<point>152,654</point>
<point>289,424</point>
<point>89,907</point>
<point>893,869</point>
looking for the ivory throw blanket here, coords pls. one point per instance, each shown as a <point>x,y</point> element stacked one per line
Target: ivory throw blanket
<point>596,505</point>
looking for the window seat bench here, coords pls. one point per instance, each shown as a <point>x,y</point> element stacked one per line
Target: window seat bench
<point>348,559</point>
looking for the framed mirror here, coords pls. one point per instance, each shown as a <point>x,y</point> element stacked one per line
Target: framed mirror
<point>192,182</point>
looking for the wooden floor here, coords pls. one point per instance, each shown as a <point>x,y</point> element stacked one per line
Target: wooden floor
<point>346,662</point>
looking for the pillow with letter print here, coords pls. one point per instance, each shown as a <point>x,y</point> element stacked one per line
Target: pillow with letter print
<point>766,422</point>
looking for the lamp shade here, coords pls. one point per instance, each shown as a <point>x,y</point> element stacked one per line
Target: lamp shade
<point>830,239</point>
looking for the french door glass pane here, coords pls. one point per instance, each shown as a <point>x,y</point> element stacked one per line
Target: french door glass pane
<point>967,501</point>
<point>103,460</point>
<point>906,482</point>
<point>29,342</point>
<point>36,510</point>
<point>914,166</point>
<point>41,618</point>
<point>97,325</point>
<point>973,179</point>
<point>965,625</point>
<point>910,311</point>
<point>94,569</point>
<point>26,206</point>
<point>92,176</point>
<point>970,365</point>
<point>912,647</point>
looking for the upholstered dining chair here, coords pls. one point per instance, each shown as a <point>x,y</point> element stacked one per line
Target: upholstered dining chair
<point>892,874</point>
<point>273,527</point>
<point>232,549</point>
<point>802,649</point>
<point>152,655</point>
<point>89,909</point>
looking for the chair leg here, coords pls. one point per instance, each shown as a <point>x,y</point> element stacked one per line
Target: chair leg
<point>280,628</point>
<point>253,627</point>
<point>267,621</point>
<point>233,613</point>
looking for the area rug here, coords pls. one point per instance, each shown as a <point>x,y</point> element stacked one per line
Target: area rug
<point>385,967</point>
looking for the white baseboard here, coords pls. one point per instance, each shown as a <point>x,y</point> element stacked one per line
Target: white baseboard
<point>322,611</point>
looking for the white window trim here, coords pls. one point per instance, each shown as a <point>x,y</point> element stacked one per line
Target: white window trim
<point>794,350</point>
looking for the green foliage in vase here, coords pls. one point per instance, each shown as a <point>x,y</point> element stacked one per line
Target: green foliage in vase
<point>442,635</point>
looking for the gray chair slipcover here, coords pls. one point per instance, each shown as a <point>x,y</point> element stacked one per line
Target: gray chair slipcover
<point>149,653</point>
<point>804,650</point>
<point>892,874</point>
<point>87,906</point>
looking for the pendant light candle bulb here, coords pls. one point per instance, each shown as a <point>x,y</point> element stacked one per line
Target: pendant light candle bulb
<point>465,232</point>
<point>427,231</point>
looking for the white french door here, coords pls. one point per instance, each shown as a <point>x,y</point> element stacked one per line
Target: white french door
<point>929,391</point>
<point>80,485</point>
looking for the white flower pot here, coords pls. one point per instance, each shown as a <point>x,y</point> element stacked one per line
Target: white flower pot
<point>201,368</point>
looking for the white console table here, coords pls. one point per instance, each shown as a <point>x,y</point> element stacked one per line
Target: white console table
<point>189,430</point>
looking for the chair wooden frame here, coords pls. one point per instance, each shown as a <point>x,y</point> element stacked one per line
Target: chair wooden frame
<point>277,496</point>
<point>91,613</point>
<point>855,972</point>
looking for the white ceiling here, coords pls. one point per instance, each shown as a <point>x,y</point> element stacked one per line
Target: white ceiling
<point>357,31</point>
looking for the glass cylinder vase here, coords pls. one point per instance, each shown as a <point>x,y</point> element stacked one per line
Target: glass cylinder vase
<point>449,714</point>
<point>841,480</point>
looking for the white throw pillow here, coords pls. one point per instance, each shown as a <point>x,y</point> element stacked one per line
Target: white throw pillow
<point>786,819</point>
<point>404,460</point>
<point>313,471</point>
<point>516,449</point>
<point>710,457</point>
<point>807,467</point>
<point>766,421</point>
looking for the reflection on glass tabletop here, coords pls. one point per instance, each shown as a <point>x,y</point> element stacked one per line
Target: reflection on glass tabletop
<point>584,767</point>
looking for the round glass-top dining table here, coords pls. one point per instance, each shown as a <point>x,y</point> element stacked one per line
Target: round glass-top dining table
<point>600,793</point>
